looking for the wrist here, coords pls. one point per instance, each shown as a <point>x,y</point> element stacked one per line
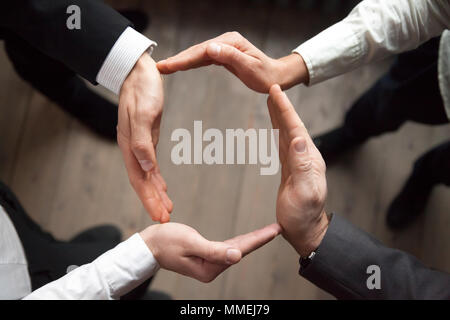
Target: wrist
<point>143,65</point>
<point>306,244</point>
<point>292,70</point>
<point>148,235</point>
<point>144,61</point>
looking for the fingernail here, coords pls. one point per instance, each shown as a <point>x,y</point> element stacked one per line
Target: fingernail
<point>215,49</point>
<point>300,146</point>
<point>146,165</point>
<point>233,256</point>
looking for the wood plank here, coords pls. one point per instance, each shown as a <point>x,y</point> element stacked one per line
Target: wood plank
<point>206,197</point>
<point>36,177</point>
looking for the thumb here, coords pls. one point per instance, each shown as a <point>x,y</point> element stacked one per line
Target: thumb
<point>217,252</point>
<point>299,160</point>
<point>143,150</point>
<point>229,55</point>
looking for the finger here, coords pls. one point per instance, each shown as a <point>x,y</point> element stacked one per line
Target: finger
<point>229,55</point>
<point>145,190</point>
<point>247,243</point>
<point>156,130</point>
<point>276,125</point>
<point>154,198</point>
<point>288,117</point>
<point>299,160</point>
<point>161,180</point>
<point>151,191</point>
<point>256,239</point>
<point>152,202</point>
<point>162,193</point>
<point>186,59</point>
<point>210,52</point>
<point>273,114</point>
<point>165,216</point>
<point>214,252</point>
<point>142,146</point>
<point>283,139</point>
<point>274,109</point>
<point>168,66</point>
<point>190,58</point>
<point>161,187</point>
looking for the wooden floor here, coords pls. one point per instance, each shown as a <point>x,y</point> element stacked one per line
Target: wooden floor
<point>68,179</point>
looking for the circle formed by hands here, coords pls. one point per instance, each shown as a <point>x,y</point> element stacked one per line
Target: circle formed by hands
<point>303,189</point>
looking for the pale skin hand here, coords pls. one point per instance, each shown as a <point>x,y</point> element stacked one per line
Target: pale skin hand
<point>140,109</point>
<point>182,249</point>
<point>231,50</point>
<point>303,187</point>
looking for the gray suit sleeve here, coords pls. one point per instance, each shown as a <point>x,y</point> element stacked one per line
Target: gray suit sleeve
<point>341,261</point>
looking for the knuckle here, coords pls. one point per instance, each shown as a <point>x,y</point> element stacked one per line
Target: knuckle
<point>146,115</point>
<point>211,252</point>
<point>139,146</point>
<point>304,165</point>
<point>236,34</point>
<point>136,182</point>
<point>233,34</point>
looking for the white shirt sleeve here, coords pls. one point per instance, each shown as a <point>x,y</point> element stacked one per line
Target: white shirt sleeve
<point>14,278</point>
<point>373,30</point>
<point>121,59</point>
<point>109,277</point>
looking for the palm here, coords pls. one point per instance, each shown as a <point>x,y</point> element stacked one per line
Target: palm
<point>296,196</point>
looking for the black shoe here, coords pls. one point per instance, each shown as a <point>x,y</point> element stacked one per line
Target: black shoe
<point>336,142</point>
<point>139,19</point>
<point>105,233</point>
<point>409,203</point>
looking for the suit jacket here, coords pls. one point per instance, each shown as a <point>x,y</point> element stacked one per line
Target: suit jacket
<point>42,23</point>
<point>341,261</point>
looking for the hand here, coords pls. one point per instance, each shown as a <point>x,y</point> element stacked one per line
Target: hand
<point>181,249</point>
<point>303,188</point>
<point>140,108</point>
<point>256,70</point>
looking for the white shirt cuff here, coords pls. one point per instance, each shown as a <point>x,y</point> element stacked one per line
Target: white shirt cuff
<point>121,59</point>
<point>127,266</point>
<point>332,52</point>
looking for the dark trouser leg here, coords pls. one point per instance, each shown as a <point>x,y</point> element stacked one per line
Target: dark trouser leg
<point>430,169</point>
<point>49,258</point>
<point>409,91</point>
<point>63,86</point>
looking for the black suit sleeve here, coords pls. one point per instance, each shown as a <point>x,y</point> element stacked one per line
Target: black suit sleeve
<point>340,268</point>
<point>42,23</point>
